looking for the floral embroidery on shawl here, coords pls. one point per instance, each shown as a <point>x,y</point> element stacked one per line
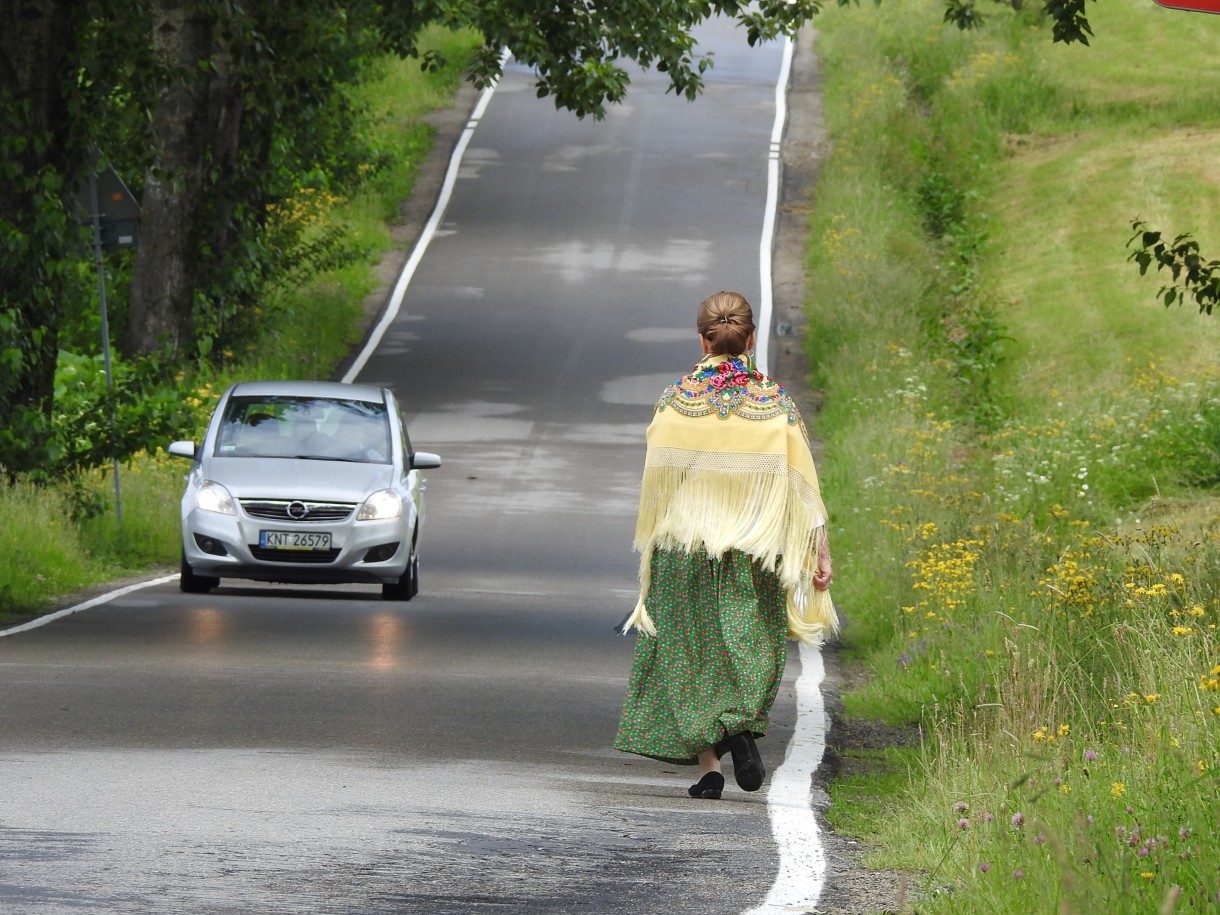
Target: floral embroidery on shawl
<point>730,388</point>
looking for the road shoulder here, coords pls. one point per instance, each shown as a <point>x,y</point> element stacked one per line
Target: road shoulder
<point>851,888</point>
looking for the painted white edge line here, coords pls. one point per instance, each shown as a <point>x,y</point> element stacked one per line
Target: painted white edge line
<point>762,348</point>
<point>86,605</point>
<point>426,236</point>
<point>802,860</point>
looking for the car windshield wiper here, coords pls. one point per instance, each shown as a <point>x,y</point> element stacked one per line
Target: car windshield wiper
<point>326,457</point>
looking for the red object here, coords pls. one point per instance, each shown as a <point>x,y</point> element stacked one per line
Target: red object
<point>1195,6</point>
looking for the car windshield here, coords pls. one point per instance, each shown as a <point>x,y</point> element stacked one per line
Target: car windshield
<point>311,428</point>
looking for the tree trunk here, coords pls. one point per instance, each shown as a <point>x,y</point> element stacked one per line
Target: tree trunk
<point>226,109</point>
<point>166,266</point>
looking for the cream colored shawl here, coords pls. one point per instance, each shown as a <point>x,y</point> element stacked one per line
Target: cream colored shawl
<point>728,467</point>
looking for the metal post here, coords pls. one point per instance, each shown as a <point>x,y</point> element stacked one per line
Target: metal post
<point>96,219</point>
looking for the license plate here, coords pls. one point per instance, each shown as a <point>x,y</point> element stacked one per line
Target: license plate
<point>293,540</point>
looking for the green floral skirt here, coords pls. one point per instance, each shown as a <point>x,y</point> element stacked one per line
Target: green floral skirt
<point>714,667</point>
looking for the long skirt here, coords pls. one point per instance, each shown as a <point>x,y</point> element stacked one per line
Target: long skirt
<point>714,667</point>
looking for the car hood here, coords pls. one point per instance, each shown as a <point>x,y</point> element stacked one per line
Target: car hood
<point>293,478</point>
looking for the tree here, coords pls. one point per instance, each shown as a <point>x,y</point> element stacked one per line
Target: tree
<point>217,110</point>
<point>39,147</point>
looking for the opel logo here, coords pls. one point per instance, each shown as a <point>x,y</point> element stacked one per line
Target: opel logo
<point>297,511</point>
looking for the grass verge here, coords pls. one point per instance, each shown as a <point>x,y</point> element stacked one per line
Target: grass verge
<point>1023,453</point>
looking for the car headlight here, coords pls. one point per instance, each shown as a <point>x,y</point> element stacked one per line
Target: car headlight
<point>381,506</point>
<point>212,497</point>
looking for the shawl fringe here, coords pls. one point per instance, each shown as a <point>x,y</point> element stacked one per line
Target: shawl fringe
<point>771,513</point>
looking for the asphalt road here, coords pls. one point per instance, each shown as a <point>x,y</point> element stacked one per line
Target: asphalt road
<point>264,749</point>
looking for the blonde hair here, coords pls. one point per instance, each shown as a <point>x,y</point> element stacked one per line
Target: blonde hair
<point>726,321</point>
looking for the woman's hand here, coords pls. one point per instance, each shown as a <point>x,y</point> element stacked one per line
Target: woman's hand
<point>822,577</point>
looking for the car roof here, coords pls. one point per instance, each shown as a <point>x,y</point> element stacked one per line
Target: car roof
<point>330,389</point>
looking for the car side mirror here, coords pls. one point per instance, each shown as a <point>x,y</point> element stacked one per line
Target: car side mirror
<point>182,449</point>
<point>423,460</point>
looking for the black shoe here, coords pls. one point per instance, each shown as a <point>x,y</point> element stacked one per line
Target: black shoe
<point>747,763</point>
<point>708,787</point>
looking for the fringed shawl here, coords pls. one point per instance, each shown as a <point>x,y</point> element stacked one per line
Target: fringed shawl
<point>728,467</point>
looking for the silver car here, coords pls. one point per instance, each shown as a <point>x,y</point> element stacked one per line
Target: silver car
<point>304,482</point>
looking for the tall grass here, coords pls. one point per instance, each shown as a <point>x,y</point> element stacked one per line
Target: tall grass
<point>1023,453</point>
<point>63,537</point>
<point>43,550</point>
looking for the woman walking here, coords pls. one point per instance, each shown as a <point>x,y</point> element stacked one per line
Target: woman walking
<point>734,559</point>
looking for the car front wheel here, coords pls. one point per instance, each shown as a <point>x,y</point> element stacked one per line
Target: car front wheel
<point>407,585</point>
<point>190,583</point>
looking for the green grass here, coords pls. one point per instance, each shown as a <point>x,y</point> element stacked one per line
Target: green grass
<point>1061,218</point>
<point>865,791</point>
<point>64,542</point>
<point>43,550</point>
<point>1022,452</point>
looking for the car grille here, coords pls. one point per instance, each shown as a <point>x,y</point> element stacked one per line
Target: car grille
<point>263,554</point>
<point>315,512</point>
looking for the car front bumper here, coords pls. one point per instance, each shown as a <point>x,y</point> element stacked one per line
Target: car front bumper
<point>221,546</point>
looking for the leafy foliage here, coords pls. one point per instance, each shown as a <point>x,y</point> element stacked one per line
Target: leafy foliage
<point>1192,275</point>
<point>37,281</point>
<point>97,423</point>
<point>1069,24</point>
<point>576,48</point>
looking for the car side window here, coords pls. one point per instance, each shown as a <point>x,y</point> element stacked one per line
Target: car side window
<point>404,438</point>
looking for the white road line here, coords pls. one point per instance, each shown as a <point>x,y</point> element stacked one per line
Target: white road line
<point>802,860</point>
<point>426,236</point>
<point>762,347</point>
<point>100,599</point>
